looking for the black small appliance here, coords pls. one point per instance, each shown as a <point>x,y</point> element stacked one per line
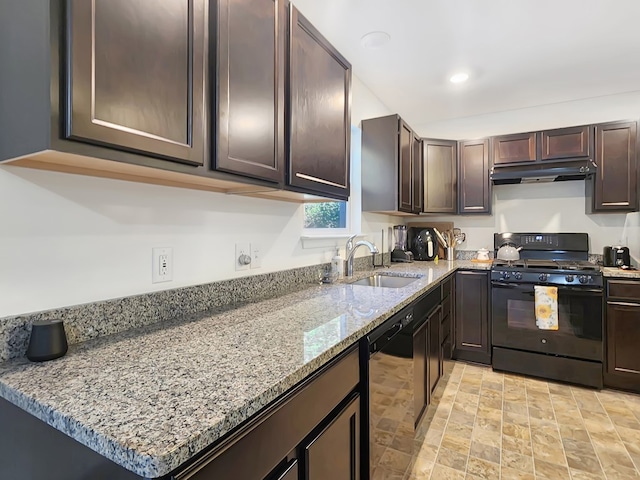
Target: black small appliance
<point>424,243</point>
<point>48,340</point>
<point>616,256</point>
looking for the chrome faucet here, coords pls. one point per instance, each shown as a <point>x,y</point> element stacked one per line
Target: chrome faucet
<point>351,250</point>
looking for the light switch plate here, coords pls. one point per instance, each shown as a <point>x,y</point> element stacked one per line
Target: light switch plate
<point>256,255</point>
<point>243,256</point>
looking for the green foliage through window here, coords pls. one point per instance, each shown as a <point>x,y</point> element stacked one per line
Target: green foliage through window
<point>325,215</point>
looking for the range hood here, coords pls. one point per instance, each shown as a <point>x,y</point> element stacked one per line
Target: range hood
<point>540,172</point>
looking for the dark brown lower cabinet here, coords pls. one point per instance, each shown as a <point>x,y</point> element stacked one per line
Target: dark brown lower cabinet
<point>335,452</point>
<point>472,339</point>
<point>623,335</point>
<point>420,371</point>
<point>434,350</point>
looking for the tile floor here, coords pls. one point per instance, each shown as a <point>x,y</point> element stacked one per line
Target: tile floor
<point>487,425</point>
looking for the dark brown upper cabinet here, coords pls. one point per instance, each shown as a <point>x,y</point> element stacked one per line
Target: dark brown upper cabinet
<point>474,186</point>
<point>136,79</point>
<point>319,112</point>
<point>405,169</point>
<point>251,84</point>
<point>417,186</point>
<point>614,187</point>
<point>440,178</point>
<point>566,143</point>
<point>391,167</point>
<point>516,148</point>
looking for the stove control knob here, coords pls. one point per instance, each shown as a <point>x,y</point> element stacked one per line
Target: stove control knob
<point>569,278</point>
<point>583,279</point>
<point>506,275</point>
<point>518,276</point>
<point>543,277</point>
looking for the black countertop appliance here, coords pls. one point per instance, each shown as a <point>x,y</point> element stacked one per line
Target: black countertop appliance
<point>616,256</point>
<point>423,243</point>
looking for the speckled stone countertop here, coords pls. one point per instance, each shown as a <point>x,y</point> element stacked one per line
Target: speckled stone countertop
<point>149,399</point>
<point>618,273</point>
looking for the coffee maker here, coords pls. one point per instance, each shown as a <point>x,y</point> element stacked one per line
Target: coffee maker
<point>424,244</point>
<point>400,252</point>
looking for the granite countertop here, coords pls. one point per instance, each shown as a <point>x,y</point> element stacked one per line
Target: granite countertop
<point>149,399</point>
<point>616,272</point>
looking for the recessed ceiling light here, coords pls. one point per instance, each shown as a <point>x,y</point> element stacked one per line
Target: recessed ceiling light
<point>375,39</point>
<point>459,77</point>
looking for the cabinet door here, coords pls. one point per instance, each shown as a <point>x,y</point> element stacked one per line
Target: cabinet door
<point>623,338</point>
<point>474,187</point>
<point>435,354</point>
<point>420,371</point>
<point>137,76</point>
<point>472,317</point>
<point>440,179</point>
<point>517,148</point>
<point>573,142</point>
<point>335,452</point>
<point>320,112</point>
<point>251,71</point>
<point>616,178</point>
<point>417,175</point>
<point>405,169</point>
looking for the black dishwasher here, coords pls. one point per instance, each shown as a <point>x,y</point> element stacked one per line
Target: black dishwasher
<point>398,378</point>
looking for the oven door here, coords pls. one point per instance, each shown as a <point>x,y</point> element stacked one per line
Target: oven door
<point>580,326</point>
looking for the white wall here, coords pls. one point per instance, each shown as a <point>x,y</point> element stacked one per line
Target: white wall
<point>580,112</point>
<point>551,207</point>
<point>545,207</point>
<point>68,239</point>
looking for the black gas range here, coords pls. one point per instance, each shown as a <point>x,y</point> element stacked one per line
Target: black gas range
<point>574,351</point>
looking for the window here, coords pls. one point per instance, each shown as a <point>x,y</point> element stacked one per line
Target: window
<point>325,215</point>
<point>328,218</point>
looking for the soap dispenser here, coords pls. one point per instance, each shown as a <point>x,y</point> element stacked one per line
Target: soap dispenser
<point>337,265</point>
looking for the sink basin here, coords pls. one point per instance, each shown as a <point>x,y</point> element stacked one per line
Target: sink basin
<point>387,281</point>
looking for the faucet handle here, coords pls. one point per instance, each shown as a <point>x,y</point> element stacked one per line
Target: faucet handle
<point>350,243</point>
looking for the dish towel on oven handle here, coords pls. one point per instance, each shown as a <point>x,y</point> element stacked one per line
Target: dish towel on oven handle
<point>546,305</point>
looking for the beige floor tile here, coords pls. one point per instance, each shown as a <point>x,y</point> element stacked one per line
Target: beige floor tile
<point>457,444</point>
<point>610,458</point>
<point>511,474</point>
<point>580,475</point>
<point>550,471</point>
<point>517,445</point>
<point>517,461</point>
<point>581,456</point>
<point>452,459</point>
<point>488,425</point>
<point>394,460</point>
<point>485,452</point>
<point>440,472</point>
<point>483,469</point>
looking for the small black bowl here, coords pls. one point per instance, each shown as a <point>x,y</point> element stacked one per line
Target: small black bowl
<point>48,341</point>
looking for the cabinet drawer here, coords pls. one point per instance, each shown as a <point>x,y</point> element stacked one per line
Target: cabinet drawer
<point>446,289</point>
<point>624,289</point>
<point>272,435</point>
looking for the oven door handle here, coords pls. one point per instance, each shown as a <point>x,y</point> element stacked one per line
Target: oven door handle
<point>580,289</point>
<point>504,285</point>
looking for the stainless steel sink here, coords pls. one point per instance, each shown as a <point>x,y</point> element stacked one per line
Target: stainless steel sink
<point>387,281</point>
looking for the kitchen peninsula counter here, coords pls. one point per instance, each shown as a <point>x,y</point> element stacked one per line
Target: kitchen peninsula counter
<point>150,399</point>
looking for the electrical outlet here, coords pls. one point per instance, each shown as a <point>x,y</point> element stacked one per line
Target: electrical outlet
<point>243,256</point>
<point>161,265</point>
<point>256,255</point>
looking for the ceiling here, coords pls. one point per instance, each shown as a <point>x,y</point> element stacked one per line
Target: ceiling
<point>519,53</point>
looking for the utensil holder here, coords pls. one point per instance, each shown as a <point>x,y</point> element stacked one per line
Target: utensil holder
<point>451,254</point>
